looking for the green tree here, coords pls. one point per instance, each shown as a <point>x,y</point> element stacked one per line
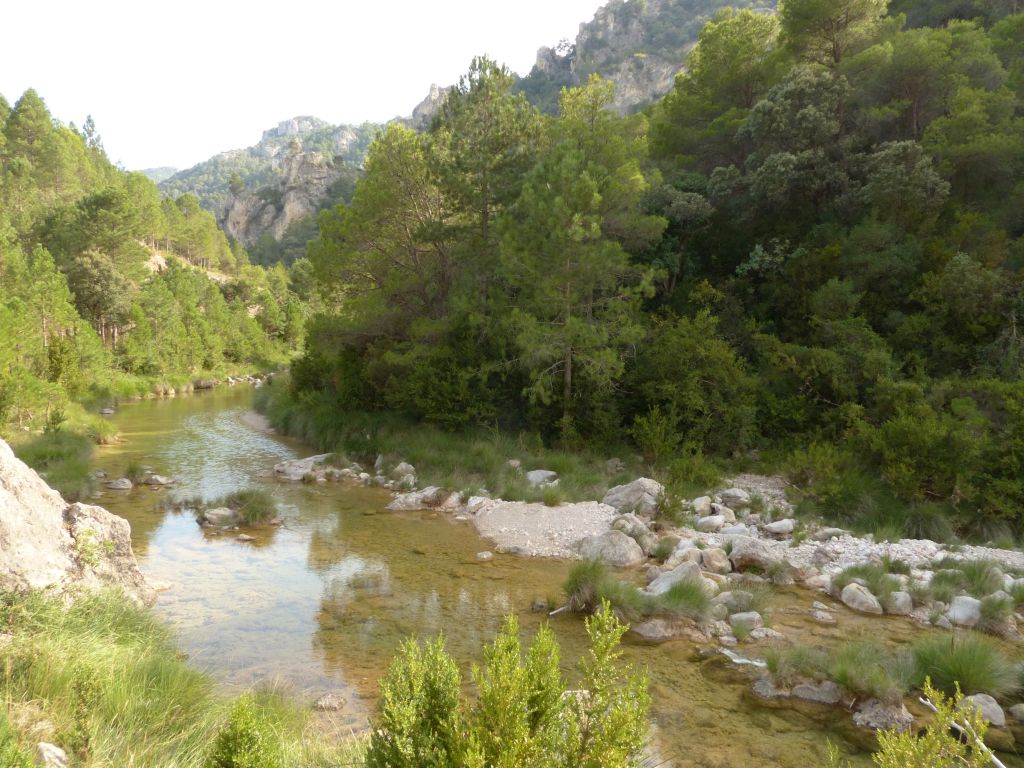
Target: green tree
<point>824,31</point>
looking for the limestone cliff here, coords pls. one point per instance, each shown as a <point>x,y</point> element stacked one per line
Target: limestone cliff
<point>48,544</point>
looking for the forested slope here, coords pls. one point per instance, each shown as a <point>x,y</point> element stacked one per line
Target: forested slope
<point>807,256</point>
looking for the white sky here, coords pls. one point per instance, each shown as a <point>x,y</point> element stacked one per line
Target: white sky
<point>173,83</point>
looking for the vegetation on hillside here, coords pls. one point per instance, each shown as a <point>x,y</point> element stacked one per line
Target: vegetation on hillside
<point>806,256</point>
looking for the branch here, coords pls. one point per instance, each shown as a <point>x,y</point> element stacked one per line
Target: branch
<point>967,730</point>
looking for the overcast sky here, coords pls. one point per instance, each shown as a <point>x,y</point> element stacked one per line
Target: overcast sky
<point>172,83</point>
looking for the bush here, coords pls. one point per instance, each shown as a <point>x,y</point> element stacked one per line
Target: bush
<point>246,741</point>
<point>254,505</point>
<point>589,585</point>
<point>970,661</point>
<point>657,434</point>
<point>684,598</point>
<point>523,714</point>
<point>135,472</point>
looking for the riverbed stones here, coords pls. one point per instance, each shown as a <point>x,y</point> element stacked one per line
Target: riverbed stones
<point>715,560</point>
<point>430,497</point>
<point>158,480</point>
<point>987,706</point>
<point>745,623</point>
<point>701,506</point>
<point>735,497</point>
<point>220,516</point>
<point>899,604</point>
<point>295,470</point>
<point>613,548</point>
<point>819,692</point>
<point>484,556</point>
<point>737,530</point>
<point>684,572</point>
<point>636,529</point>
<point>642,497</point>
<point>405,468</point>
<point>748,552</point>
<point>781,527</point>
<point>244,537</point>
<point>50,756</point>
<point>121,484</point>
<point>541,478</point>
<point>964,611</point>
<point>710,524</point>
<point>883,716</point>
<point>859,598</point>
<point>329,702</point>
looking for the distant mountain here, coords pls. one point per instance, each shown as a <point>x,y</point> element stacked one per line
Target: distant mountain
<point>156,175</point>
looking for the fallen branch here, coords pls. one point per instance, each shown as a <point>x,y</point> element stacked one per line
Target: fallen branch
<point>967,730</point>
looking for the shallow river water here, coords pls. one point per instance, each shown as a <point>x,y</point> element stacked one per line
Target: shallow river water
<point>322,602</point>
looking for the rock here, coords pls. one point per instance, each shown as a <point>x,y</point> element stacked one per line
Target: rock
<point>820,582</point>
<point>715,560</point>
<point>821,692</point>
<point>964,611</point>
<point>613,466</point>
<point>664,582</point>
<point>881,716</point>
<point>158,480</point>
<point>735,497</point>
<point>765,688</point>
<point>107,411</point>
<point>899,604</point>
<point>121,484</point>
<point>50,756</point>
<point>484,556</point>
<point>748,552</point>
<point>1017,712</point>
<point>99,474</point>
<point>427,498</point>
<point>988,707</point>
<point>711,523</point>
<point>824,617</point>
<point>859,598</point>
<point>294,470</point>
<point>404,468</point>
<point>642,497</point>
<point>661,629</point>
<point>724,512</point>
<point>701,506</point>
<point>613,548</point>
<point>476,503</point>
<point>539,478</point>
<point>514,464</point>
<point>407,482</point>
<point>736,530</point>
<point>827,534</point>
<point>45,543</point>
<point>220,516</point>
<point>781,527</point>
<point>636,529</point>
<point>330,702</point>
<point>943,623</point>
<point>244,537</point>
<point>745,623</point>
<point>765,633</point>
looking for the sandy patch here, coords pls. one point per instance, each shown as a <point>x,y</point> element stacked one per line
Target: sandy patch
<point>256,421</point>
<point>537,530</point>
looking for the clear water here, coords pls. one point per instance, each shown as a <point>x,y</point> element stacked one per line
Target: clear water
<point>323,601</point>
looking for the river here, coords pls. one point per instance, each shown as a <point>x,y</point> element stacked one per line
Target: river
<point>322,602</point>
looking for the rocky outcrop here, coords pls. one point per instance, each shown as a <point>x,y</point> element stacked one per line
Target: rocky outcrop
<point>642,496</point>
<point>423,113</point>
<point>48,544</point>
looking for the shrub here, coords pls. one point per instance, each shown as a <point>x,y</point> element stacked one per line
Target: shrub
<point>995,613</point>
<point>684,598</point>
<point>657,433</point>
<point>246,741</point>
<point>589,585</point>
<point>971,661</point>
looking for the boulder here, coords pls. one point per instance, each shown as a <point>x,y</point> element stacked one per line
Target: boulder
<point>642,496</point>
<point>403,469</point>
<point>540,478</point>
<point>658,630</point>
<point>46,543</point>
<point>737,530</point>
<point>964,611</point>
<point>121,484</point>
<point>294,470</point>
<point>859,598</point>
<point>613,548</point>
<point>735,497</point>
<point>724,512</point>
<point>899,604</point>
<point>827,534</point>
<point>664,582</point>
<point>987,706</point>
<point>711,523</point>
<point>820,692</point>
<point>701,506</point>
<point>684,554</point>
<point>746,622</point>
<point>715,560</point>
<point>50,756</point>
<point>636,529</point>
<point>158,480</point>
<point>220,516</point>
<point>1017,712</point>
<point>781,527</point>
<point>428,498</point>
<point>748,552</point>
<point>883,716</point>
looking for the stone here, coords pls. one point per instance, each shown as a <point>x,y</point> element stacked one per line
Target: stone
<point>821,582</point>
<point>883,716</point>
<point>642,497</point>
<point>748,552</point>
<point>613,548</point>
<point>943,623</point>
<point>244,537</point>
<point>330,702</point>
<point>108,411</point>
<point>652,573</point>
<point>711,523</point>
<point>220,516</point>
<point>1017,712</point>
<point>540,478</point>
<point>820,692</point>
<point>484,556</point>
<point>701,506</point>
<point>735,497</point>
<point>736,530</point>
<point>407,482</point>
<point>715,560</point>
<point>613,466</point>
<point>899,604</point>
<point>827,534</point>
<point>121,484</point>
<point>765,633</point>
<point>404,468</point>
<point>824,617</point>
<point>859,598</point>
<point>476,503</point>
<point>514,464</point>
<point>659,630</point>
<point>636,529</point>
<point>294,470</point>
<point>51,756</point>
<point>781,527</point>
<point>964,611</point>
<point>765,688</point>
<point>430,497</point>
<point>988,707</point>
<point>664,582</point>
<point>745,623</point>
<point>726,514</point>
<point>158,480</point>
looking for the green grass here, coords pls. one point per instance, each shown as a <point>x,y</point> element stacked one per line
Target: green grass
<point>254,505</point>
<point>995,613</point>
<point>866,669</point>
<point>135,472</point>
<point>62,458</point>
<point>589,583</point>
<point>978,577</point>
<point>972,660</point>
<point>685,598</point>
<point>790,664</point>
<point>664,548</point>
<point>12,754</point>
<point>875,577</point>
<point>110,680</point>
<point>470,459</point>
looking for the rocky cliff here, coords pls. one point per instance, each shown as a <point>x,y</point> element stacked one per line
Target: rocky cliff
<point>48,544</point>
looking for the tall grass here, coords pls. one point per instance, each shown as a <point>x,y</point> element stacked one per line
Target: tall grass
<point>62,458</point>
<point>254,505</point>
<point>589,584</point>
<point>972,660</point>
<point>875,577</point>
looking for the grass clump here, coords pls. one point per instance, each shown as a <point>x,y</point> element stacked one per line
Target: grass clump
<point>62,458</point>
<point>246,740</point>
<point>667,545</point>
<point>996,612</point>
<point>135,472</point>
<point>972,661</point>
<point>977,577</point>
<point>875,577</point>
<point>790,665</point>
<point>254,505</point>
<point>589,585</point>
<point>867,669</point>
<point>685,598</point>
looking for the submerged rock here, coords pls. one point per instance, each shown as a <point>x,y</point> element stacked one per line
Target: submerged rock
<point>220,516</point>
<point>121,484</point>
<point>329,702</point>
<point>295,470</point>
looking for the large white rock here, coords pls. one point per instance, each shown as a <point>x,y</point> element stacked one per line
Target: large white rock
<point>701,506</point>
<point>715,560</point>
<point>735,497</point>
<point>748,552</point>
<point>613,548</point>
<point>294,470</point>
<point>636,529</point>
<point>46,543</point>
<point>988,707</point>
<point>745,622</point>
<point>711,523</point>
<point>51,756</point>
<point>683,572</point>
<point>859,598</point>
<point>541,477</point>
<point>964,611</point>
<point>642,497</point>
<point>899,604</point>
<point>781,527</point>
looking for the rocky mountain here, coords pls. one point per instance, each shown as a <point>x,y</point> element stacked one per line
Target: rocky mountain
<point>639,44</point>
